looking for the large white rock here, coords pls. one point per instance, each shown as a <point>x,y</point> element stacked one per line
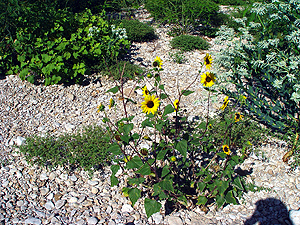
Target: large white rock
<point>295,217</point>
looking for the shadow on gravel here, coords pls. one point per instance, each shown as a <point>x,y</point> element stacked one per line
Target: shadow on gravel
<point>269,211</point>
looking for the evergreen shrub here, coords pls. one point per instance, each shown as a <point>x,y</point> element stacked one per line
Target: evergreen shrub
<point>189,43</point>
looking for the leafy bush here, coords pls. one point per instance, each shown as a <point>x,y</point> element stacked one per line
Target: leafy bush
<point>60,45</point>
<point>264,62</point>
<point>186,13</point>
<point>138,31</point>
<point>131,71</point>
<point>174,159</point>
<point>189,43</point>
<point>85,150</point>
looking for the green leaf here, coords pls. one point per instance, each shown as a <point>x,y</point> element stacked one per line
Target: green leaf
<point>201,200</point>
<point>127,128</point>
<point>165,171</point>
<point>186,92</point>
<point>201,186</point>
<point>222,155</point>
<point>229,198</point>
<point>161,154</point>
<point>135,162</point>
<point>144,170</point>
<point>163,96</point>
<point>125,138</point>
<point>166,184</point>
<point>147,123</point>
<point>182,147</point>
<point>134,195</point>
<point>222,186</point>
<point>135,136</point>
<point>162,87</point>
<point>114,89</point>
<point>114,169</point>
<point>238,183</point>
<point>151,206</point>
<point>114,149</point>
<point>207,179</point>
<point>135,181</point>
<point>220,200</point>
<point>168,109</point>
<point>113,181</point>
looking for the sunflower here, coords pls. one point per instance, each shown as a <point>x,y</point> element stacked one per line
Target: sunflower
<point>100,107</point>
<point>176,104</point>
<point>225,103</point>
<point>111,103</point>
<point>208,79</point>
<point>237,117</point>
<point>157,62</point>
<point>208,61</point>
<point>150,105</point>
<point>145,91</point>
<point>226,149</point>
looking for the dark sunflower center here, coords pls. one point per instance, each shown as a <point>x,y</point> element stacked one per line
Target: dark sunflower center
<point>155,64</point>
<point>208,79</point>
<point>150,104</point>
<point>207,61</point>
<point>226,149</point>
<point>237,116</point>
<point>146,92</point>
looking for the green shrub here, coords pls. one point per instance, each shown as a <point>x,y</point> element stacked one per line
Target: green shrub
<point>57,45</point>
<point>138,31</point>
<point>131,71</point>
<point>186,13</point>
<point>86,150</point>
<point>189,43</point>
<point>264,64</point>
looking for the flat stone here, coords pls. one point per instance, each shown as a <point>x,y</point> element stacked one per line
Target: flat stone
<point>295,217</point>
<point>157,218</point>
<point>126,208</point>
<point>60,203</point>
<point>175,220</point>
<point>49,205</point>
<point>92,220</point>
<point>20,140</point>
<point>34,221</point>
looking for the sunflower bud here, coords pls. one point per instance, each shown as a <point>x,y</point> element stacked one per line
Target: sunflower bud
<point>144,151</point>
<point>118,137</point>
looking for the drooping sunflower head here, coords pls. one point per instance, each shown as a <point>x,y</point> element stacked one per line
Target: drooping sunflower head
<point>145,91</point>
<point>111,103</point>
<point>226,149</point>
<point>225,103</point>
<point>208,79</point>
<point>208,61</point>
<point>151,104</point>
<point>157,62</point>
<point>176,104</point>
<point>100,107</point>
<point>238,117</point>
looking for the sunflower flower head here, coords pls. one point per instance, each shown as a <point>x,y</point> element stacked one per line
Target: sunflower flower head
<point>238,117</point>
<point>145,91</point>
<point>157,62</point>
<point>208,61</point>
<point>100,107</point>
<point>150,105</point>
<point>176,104</point>
<point>111,103</point>
<point>226,149</point>
<point>208,79</point>
<point>225,103</point>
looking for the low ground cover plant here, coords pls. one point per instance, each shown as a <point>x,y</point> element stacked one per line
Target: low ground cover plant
<point>85,149</point>
<point>189,43</point>
<point>138,31</point>
<point>263,64</point>
<point>170,158</point>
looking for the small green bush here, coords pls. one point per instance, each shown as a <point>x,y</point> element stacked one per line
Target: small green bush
<point>188,14</point>
<point>138,31</point>
<point>86,150</point>
<point>189,43</point>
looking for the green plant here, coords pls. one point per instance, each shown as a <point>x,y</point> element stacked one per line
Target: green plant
<point>178,57</point>
<point>189,43</point>
<point>131,71</point>
<point>188,14</point>
<point>170,158</point>
<point>263,64</point>
<point>85,150</point>
<point>138,31</point>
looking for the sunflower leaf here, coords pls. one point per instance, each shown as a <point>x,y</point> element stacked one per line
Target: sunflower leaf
<point>114,89</point>
<point>168,109</point>
<point>186,92</point>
